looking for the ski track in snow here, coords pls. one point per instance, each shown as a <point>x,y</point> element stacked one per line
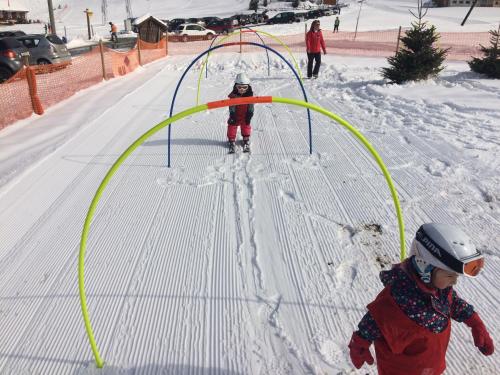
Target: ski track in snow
<point>237,264</point>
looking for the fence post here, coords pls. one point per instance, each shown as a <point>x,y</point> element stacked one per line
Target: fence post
<point>101,49</point>
<point>31,78</point>
<point>139,49</point>
<point>399,36</point>
<point>166,44</point>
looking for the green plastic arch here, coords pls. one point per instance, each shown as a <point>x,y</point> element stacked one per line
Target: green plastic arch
<point>205,62</point>
<point>181,115</point>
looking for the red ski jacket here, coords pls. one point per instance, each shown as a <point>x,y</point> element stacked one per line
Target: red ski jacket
<point>405,347</point>
<point>240,114</point>
<point>315,42</point>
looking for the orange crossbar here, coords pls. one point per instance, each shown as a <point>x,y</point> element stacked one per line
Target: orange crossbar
<point>237,101</point>
<point>235,43</point>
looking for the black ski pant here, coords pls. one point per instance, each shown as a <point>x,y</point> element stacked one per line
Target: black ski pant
<point>316,58</point>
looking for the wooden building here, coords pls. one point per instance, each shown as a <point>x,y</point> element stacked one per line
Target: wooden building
<point>149,28</point>
<point>13,11</point>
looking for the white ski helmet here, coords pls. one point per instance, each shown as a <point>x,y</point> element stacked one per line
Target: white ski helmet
<point>446,247</point>
<point>242,79</point>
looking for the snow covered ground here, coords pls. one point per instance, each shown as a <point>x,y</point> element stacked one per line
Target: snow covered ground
<point>258,264</point>
<point>237,264</point>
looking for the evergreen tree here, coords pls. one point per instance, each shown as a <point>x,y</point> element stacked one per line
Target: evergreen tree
<point>295,3</point>
<point>254,5</point>
<point>418,59</point>
<point>490,63</point>
<point>265,3</point>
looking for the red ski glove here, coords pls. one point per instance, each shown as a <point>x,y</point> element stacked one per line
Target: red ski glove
<point>360,351</point>
<point>481,336</point>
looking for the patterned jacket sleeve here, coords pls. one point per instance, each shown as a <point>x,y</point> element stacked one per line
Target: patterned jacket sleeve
<point>460,310</point>
<point>368,328</point>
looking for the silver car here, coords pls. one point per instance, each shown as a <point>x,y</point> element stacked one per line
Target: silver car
<point>45,49</point>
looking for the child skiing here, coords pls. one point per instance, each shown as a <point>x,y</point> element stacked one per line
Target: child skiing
<point>409,321</point>
<point>240,115</point>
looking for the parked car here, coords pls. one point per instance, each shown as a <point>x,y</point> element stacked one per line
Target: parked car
<point>11,54</point>
<point>4,34</point>
<point>192,29</point>
<point>315,13</point>
<point>208,20</point>
<point>327,12</point>
<point>194,20</point>
<point>45,49</point>
<point>257,18</point>
<point>224,26</point>
<point>243,19</point>
<point>300,16</point>
<point>174,24</point>
<point>283,17</point>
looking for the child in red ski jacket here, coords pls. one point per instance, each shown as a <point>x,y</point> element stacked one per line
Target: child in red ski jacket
<point>240,115</point>
<point>410,320</point>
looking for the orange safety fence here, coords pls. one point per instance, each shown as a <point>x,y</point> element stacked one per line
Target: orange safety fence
<point>152,51</point>
<point>366,43</point>
<point>15,100</point>
<point>36,88</point>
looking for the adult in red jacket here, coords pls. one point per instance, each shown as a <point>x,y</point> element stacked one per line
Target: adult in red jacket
<point>314,44</point>
<point>410,320</point>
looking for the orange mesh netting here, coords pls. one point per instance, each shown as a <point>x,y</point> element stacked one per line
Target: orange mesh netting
<point>38,87</point>
<point>60,81</point>
<point>15,100</point>
<point>152,51</point>
<point>123,62</point>
<point>367,43</point>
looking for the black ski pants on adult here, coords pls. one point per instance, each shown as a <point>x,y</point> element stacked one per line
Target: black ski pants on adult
<point>316,58</point>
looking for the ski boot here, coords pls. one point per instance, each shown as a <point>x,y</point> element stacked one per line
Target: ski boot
<point>231,145</point>
<point>246,145</point>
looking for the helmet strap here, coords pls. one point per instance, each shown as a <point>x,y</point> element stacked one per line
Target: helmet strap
<point>423,269</point>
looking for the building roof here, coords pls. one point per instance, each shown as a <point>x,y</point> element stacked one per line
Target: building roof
<point>145,17</point>
<point>13,6</point>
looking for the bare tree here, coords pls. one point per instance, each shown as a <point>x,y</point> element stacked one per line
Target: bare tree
<point>421,11</point>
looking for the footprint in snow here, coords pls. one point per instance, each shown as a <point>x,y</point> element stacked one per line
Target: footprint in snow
<point>332,352</point>
<point>345,274</point>
<point>438,168</point>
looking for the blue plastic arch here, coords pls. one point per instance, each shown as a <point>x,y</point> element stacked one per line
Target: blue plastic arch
<point>228,45</point>
<point>255,32</point>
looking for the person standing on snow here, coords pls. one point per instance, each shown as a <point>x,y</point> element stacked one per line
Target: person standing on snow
<point>314,44</point>
<point>113,31</point>
<point>240,115</point>
<point>336,24</point>
<point>410,320</point>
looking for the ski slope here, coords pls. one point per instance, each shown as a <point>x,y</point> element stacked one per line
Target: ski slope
<point>237,264</point>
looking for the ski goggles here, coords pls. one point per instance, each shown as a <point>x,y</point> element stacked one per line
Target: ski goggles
<point>473,267</point>
<point>470,266</point>
<point>241,87</point>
